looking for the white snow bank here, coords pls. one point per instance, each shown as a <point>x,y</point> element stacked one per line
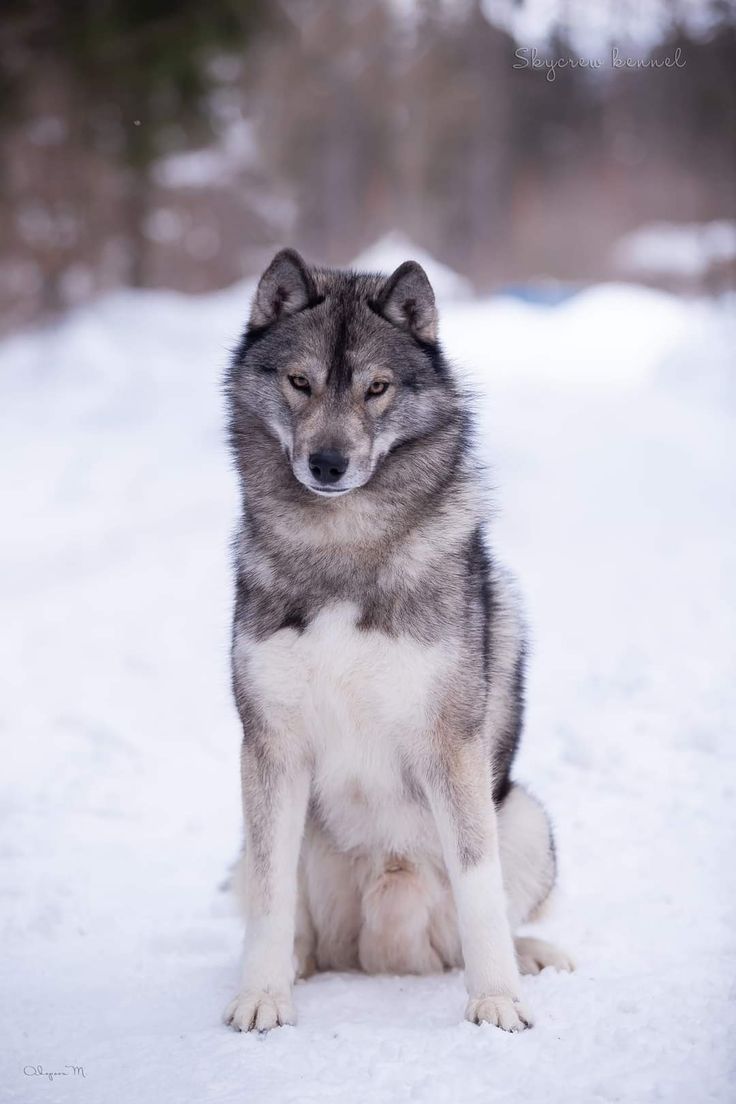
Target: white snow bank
<point>395,248</point>
<point>235,150</point>
<point>677,249</point>
<point>594,28</point>
<point>119,793</point>
<point>607,335</point>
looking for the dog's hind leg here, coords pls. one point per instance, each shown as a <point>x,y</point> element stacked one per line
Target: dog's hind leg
<point>533,955</point>
<point>332,900</point>
<point>527,855</point>
<point>305,937</point>
<point>370,912</point>
<point>529,869</point>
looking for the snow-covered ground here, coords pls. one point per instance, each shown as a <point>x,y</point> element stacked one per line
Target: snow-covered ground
<point>608,425</point>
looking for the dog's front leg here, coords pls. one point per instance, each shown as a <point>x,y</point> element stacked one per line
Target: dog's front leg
<point>458,783</point>
<point>275,793</point>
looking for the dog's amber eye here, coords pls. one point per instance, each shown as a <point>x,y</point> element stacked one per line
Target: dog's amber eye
<point>301,383</point>
<point>378,387</point>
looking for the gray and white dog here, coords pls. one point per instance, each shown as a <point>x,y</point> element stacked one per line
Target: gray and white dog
<point>377,658</point>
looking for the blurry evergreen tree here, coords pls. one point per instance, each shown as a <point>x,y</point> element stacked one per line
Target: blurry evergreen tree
<point>130,62</point>
<point>342,120</point>
<point>136,76</point>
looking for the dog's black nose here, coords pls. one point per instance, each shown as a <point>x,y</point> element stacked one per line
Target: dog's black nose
<point>328,466</point>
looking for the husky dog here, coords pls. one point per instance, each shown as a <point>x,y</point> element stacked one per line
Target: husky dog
<point>377,658</point>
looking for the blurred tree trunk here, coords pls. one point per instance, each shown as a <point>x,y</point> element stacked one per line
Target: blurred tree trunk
<point>137,210</point>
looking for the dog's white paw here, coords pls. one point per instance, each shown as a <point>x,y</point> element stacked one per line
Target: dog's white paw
<point>503,1012</point>
<point>258,1010</point>
<point>534,955</point>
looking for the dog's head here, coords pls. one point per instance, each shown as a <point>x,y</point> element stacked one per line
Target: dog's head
<point>342,369</point>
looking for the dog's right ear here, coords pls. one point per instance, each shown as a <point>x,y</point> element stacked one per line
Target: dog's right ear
<point>284,288</point>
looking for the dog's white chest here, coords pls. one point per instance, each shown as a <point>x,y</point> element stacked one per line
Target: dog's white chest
<point>359,700</point>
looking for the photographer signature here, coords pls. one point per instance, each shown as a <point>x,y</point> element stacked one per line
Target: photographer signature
<point>68,1071</point>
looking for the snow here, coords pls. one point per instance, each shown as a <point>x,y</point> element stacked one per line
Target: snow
<point>679,249</point>
<point>592,28</point>
<point>607,423</point>
<point>235,150</point>
<point>393,249</point>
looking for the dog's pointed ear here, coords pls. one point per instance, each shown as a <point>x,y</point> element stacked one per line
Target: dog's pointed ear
<point>284,288</point>
<point>407,300</point>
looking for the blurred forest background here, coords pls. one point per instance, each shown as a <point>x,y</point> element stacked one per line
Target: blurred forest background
<point>171,143</point>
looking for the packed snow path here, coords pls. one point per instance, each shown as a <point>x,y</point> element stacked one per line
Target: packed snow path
<point>607,425</point>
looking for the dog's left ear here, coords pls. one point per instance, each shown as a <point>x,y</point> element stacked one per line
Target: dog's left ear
<point>407,300</point>
<point>284,288</point>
